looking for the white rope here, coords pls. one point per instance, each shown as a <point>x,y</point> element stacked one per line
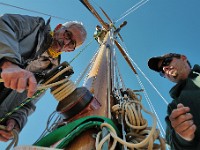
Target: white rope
<point>52,123</point>
<point>151,105</point>
<point>145,93</point>
<point>121,79</point>
<point>132,9</point>
<point>92,62</point>
<point>9,5</point>
<point>135,64</point>
<point>148,101</point>
<point>149,81</point>
<point>82,74</point>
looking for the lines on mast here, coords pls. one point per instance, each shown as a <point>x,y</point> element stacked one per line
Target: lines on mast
<point>29,10</point>
<point>132,9</point>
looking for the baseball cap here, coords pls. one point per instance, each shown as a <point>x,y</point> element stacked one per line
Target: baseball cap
<point>153,62</point>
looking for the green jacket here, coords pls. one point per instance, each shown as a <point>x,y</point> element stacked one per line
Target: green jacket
<point>187,93</point>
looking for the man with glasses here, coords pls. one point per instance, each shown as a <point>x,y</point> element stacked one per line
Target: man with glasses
<point>183,120</point>
<point>28,50</point>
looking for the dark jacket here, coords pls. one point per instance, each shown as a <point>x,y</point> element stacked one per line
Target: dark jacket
<point>23,39</point>
<point>187,93</point>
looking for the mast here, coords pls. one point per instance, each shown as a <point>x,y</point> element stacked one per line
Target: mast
<point>123,103</point>
<point>99,83</point>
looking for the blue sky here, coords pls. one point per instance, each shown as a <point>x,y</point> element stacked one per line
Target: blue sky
<point>155,28</point>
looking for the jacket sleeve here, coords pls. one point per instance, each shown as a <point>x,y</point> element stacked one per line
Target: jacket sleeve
<point>13,28</point>
<point>21,114</point>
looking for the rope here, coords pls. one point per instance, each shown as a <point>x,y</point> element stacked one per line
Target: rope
<point>59,93</point>
<point>92,62</point>
<point>54,125</point>
<point>88,67</point>
<point>151,105</point>
<point>135,7</point>
<point>140,136</point>
<point>38,93</point>
<point>136,145</point>
<point>120,76</point>
<point>15,139</point>
<point>165,101</point>
<point>90,42</point>
<point>145,93</point>
<point>68,132</point>
<point>63,88</point>
<point>1,3</point>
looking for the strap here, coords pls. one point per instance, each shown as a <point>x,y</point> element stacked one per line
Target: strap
<point>71,130</point>
<point>78,131</point>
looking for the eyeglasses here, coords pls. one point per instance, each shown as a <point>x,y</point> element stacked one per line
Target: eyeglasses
<point>166,61</point>
<point>72,44</point>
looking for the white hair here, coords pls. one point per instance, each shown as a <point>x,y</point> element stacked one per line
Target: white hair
<point>78,25</point>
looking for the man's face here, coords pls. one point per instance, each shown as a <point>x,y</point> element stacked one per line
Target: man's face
<point>174,69</point>
<point>66,40</point>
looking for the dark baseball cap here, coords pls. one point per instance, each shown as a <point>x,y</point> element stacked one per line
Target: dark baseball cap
<point>153,62</point>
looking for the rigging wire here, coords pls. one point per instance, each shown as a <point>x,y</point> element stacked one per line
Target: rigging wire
<point>51,126</point>
<point>145,93</point>
<point>166,102</point>
<point>153,86</point>
<point>88,67</point>
<point>151,106</point>
<point>116,70</point>
<point>29,10</point>
<point>148,100</point>
<point>121,79</point>
<point>132,9</point>
<point>89,43</point>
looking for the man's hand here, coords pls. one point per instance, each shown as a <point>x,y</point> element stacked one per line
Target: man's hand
<point>6,134</point>
<point>18,79</point>
<point>182,122</point>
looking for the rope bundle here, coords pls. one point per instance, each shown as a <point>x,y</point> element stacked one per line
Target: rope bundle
<point>138,136</point>
<point>61,88</point>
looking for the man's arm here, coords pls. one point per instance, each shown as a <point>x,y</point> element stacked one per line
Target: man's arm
<point>19,118</point>
<point>14,28</point>
<point>17,78</point>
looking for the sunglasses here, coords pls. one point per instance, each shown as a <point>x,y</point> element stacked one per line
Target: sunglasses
<point>72,44</point>
<point>166,62</point>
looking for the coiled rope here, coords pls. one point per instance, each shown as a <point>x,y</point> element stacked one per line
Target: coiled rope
<point>61,89</point>
<point>139,136</point>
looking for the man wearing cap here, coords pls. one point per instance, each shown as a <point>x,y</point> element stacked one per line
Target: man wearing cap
<point>183,120</point>
<point>28,50</point>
